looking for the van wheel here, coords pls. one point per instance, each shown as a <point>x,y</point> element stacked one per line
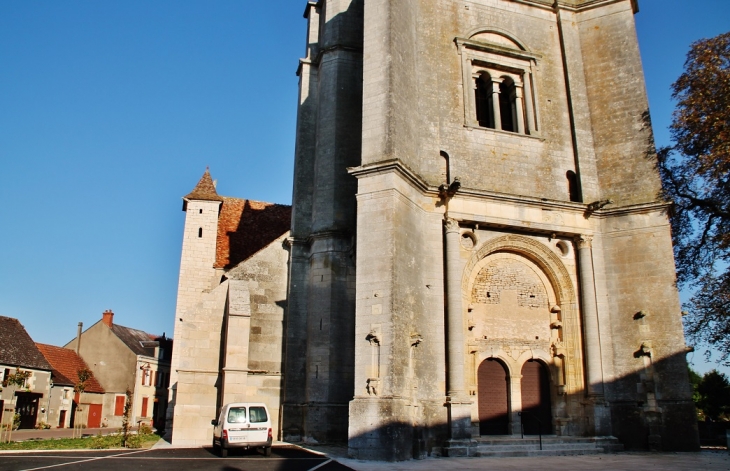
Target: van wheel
<point>224,452</point>
<point>267,451</point>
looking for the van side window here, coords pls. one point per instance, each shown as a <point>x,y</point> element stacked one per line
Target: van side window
<point>257,414</point>
<point>236,415</point>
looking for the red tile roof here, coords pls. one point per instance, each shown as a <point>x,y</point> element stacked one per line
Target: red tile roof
<point>204,190</point>
<point>247,226</point>
<point>66,363</point>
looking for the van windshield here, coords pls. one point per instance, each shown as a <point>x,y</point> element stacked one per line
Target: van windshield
<point>236,415</point>
<point>258,414</point>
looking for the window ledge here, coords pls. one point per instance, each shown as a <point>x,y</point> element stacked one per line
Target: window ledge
<point>499,131</point>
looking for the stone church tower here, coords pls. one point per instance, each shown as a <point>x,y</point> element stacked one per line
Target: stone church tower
<point>476,246</point>
<point>477,241</point>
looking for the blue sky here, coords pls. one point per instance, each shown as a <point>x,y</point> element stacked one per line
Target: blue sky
<point>111,110</point>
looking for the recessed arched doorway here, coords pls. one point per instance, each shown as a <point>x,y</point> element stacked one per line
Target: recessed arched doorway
<point>536,407</point>
<point>493,402</point>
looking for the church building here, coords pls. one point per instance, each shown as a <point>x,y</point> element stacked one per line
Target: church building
<point>476,245</point>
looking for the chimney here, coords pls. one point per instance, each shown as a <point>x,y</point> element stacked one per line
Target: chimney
<point>78,337</point>
<point>108,318</point>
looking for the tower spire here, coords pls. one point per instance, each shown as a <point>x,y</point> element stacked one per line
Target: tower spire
<point>204,190</point>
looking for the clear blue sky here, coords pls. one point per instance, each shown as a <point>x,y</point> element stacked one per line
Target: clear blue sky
<point>111,110</point>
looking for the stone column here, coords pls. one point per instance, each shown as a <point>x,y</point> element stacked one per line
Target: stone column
<point>515,403</point>
<point>591,337</point>
<point>518,109</point>
<point>598,411</point>
<point>495,103</point>
<point>458,402</point>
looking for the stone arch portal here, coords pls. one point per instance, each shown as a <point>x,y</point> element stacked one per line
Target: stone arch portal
<point>522,310</point>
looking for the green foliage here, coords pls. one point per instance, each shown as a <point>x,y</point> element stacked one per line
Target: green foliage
<point>145,429</point>
<point>97,442</point>
<point>714,392</point>
<point>17,379</point>
<point>126,426</point>
<point>42,426</point>
<point>694,381</point>
<point>694,173</point>
<point>16,421</point>
<point>84,375</point>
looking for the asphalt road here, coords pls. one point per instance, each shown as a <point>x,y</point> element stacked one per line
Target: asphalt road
<point>284,458</point>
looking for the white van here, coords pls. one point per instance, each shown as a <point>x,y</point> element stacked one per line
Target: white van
<point>242,425</point>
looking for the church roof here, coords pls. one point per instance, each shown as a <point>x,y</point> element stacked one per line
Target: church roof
<point>66,364</point>
<point>247,226</point>
<point>204,190</point>
<point>17,348</point>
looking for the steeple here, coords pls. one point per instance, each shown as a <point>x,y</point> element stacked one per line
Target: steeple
<point>204,190</point>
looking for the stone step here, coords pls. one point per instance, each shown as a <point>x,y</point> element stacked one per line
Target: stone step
<point>536,446</point>
<point>506,446</point>
<point>544,452</point>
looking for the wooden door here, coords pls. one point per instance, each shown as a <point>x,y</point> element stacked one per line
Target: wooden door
<point>62,419</point>
<point>536,407</point>
<point>27,407</point>
<point>94,417</point>
<point>493,402</point>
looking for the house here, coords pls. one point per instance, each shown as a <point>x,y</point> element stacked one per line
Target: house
<point>20,359</point>
<point>122,359</point>
<point>66,406</point>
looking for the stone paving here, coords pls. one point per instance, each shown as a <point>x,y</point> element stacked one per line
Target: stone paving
<point>706,460</point>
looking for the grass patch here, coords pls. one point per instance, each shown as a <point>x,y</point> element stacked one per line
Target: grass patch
<point>98,442</point>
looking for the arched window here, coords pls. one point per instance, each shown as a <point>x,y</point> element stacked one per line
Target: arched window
<point>483,101</point>
<point>507,107</point>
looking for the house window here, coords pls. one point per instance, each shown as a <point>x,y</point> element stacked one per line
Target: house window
<point>499,83</point>
<point>146,377</point>
<point>119,405</point>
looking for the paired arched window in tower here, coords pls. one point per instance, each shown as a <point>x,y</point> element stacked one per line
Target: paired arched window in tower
<point>498,102</point>
<point>499,84</point>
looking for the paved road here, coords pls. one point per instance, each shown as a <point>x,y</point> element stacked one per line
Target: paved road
<point>169,459</point>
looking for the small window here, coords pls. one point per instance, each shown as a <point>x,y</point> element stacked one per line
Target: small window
<point>257,414</point>
<point>236,415</point>
<point>200,211</point>
<point>200,232</point>
<point>573,192</point>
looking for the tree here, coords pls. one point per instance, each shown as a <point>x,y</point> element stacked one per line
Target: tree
<point>714,395</point>
<point>695,173</point>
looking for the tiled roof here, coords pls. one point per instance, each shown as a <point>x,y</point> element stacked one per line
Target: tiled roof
<point>204,190</point>
<point>66,364</point>
<point>17,348</point>
<point>247,226</point>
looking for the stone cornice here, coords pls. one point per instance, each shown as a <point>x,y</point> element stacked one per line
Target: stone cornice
<point>395,165</point>
<point>641,208</point>
<point>496,49</point>
<point>572,6</point>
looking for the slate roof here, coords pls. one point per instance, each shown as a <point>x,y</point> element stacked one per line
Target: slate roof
<point>204,190</point>
<point>66,363</point>
<point>17,348</point>
<point>247,226</point>
<point>137,340</point>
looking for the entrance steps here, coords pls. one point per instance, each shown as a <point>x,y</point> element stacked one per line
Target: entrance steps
<point>515,446</point>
